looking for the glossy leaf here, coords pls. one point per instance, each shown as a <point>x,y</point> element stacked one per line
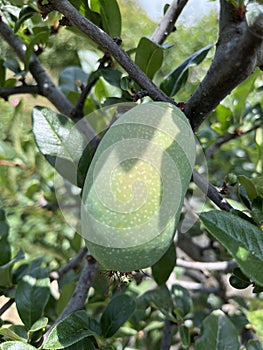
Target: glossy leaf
<point>60,143</point>
<point>111,17</point>
<point>159,298</point>
<point>32,295</point>
<point>177,78</point>
<point>16,345</point>
<point>181,300</point>
<point>70,330</point>
<point>149,56</point>
<point>13,65</point>
<point>249,186</point>
<point>117,312</point>
<point>163,268</point>
<point>9,334</point>
<point>243,240</point>
<point>71,78</point>
<point>217,333</point>
<point>26,13</point>
<point>40,38</point>
<point>6,270</point>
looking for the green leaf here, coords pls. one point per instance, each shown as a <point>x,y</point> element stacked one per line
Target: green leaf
<point>184,333</point>
<point>10,334</point>
<point>16,345</point>
<point>32,295</point>
<point>159,298</point>
<point>217,333</point>
<point>111,17</point>
<point>25,13</point>
<point>83,344</point>
<point>254,345</point>
<point>13,65</point>
<point>69,77</point>
<point>40,38</point>
<point>39,325</point>
<point>61,143</point>
<point>163,268</point>
<point>6,270</point>
<point>238,280</point>
<point>249,186</point>
<point>112,76</point>
<point>71,330</point>
<point>177,78</point>
<point>149,57</point>
<point>181,299</point>
<point>117,312</point>
<point>243,240</point>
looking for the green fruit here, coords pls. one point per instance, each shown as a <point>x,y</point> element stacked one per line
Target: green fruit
<point>135,186</point>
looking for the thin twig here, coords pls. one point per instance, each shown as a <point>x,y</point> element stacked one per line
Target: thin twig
<point>71,265</point>
<point>211,192</point>
<point>23,89</point>
<point>79,296</point>
<point>228,137</point>
<point>209,266</point>
<point>6,306</point>
<point>167,335</point>
<point>167,24</point>
<point>109,45</point>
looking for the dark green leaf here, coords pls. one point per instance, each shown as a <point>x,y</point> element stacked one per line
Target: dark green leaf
<point>70,79</point>
<point>32,295</point>
<point>71,330</point>
<point>243,240</point>
<point>254,345</point>
<point>163,268</point>
<point>5,248</point>
<point>112,76</point>
<point>83,344</point>
<point>149,57</point>
<point>177,78</point>
<point>118,311</point>
<point>249,186</point>
<point>5,270</point>
<point>217,333</point>
<point>111,17</point>
<point>60,142</point>
<point>13,65</point>
<point>181,299</point>
<point>10,334</point>
<point>40,38</point>
<point>159,298</point>
<point>16,345</point>
<point>26,13</point>
<point>185,336</point>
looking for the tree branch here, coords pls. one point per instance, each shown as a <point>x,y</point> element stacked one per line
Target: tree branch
<point>167,335</point>
<point>45,85</point>
<point>79,296</point>
<point>168,21</point>
<point>109,45</point>
<point>23,89</point>
<point>6,306</point>
<point>211,192</point>
<point>209,266</point>
<point>239,51</point>
<point>71,265</point>
<point>228,137</point>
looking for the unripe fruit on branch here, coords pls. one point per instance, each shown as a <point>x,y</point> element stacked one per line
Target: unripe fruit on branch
<point>135,186</point>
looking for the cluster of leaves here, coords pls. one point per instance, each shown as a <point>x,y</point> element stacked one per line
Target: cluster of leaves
<point>135,317</point>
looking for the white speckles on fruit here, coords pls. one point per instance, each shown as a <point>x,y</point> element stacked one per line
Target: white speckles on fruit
<point>135,186</point>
